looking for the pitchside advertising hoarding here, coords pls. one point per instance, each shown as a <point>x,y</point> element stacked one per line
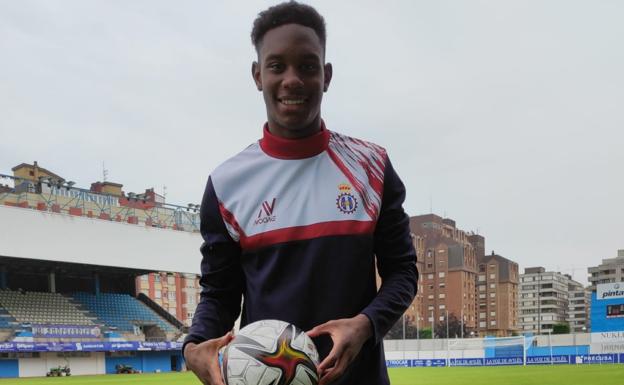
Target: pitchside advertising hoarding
<point>22,347</point>
<point>506,361</point>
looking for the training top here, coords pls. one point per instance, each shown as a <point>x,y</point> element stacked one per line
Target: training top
<point>295,227</point>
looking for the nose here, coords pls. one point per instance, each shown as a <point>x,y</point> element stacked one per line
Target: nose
<point>291,79</point>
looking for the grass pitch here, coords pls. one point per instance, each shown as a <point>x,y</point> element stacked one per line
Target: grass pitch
<point>509,375</point>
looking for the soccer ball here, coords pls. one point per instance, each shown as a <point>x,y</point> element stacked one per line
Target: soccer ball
<point>270,352</point>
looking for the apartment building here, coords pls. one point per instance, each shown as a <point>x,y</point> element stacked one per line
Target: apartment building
<point>578,306</point>
<point>497,291</point>
<point>177,293</point>
<point>448,272</point>
<point>609,271</point>
<point>414,313</point>
<point>543,300</point>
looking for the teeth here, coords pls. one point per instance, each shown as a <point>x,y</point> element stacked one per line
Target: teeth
<point>293,101</point>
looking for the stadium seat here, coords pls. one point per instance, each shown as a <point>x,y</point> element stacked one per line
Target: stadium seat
<point>122,311</point>
<point>42,308</point>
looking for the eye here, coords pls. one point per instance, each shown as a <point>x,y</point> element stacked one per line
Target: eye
<point>275,66</point>
<point>310,67</point>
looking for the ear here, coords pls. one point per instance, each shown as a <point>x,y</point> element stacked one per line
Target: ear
<point>255,73</point>
<point>328,76</point>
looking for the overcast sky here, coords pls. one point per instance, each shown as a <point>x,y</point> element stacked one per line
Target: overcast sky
<point>506,116</point>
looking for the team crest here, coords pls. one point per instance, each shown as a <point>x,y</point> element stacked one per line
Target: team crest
<point>346,202</point>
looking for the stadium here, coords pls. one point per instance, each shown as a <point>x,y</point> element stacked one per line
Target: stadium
<point>104,282</point>
<point>79,269</point>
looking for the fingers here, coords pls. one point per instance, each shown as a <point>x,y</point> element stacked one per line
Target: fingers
<point>319,330</point>
<point>203,359</point>
<point>328,362</point>
<point>330,375</point>
<point>222,341</point>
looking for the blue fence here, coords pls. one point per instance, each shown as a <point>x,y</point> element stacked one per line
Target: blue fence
<point>504,361</point>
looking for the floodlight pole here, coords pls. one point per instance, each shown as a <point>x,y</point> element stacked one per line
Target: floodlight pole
<point>448,339</point>
<point>403,335</point>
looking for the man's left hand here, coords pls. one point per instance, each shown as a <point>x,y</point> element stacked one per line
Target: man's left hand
<point>348,336</point>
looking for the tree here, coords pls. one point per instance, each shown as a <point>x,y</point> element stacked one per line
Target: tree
<point>454,328</point>
<point>396,332</point>
<point>562,328</point>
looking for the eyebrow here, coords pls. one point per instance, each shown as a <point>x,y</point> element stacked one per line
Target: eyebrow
<point>305,57</point>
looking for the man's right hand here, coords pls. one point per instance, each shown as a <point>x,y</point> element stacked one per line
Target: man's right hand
<point>203,359</point>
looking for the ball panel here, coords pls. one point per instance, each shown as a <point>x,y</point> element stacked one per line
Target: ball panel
<point>271,352</point>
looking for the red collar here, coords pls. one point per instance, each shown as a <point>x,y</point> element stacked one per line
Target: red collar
<point>283,148</point>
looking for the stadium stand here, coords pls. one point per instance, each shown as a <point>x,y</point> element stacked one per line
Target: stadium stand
<point>121,311</point>
<point>6,321</point>
<point>42,308</point>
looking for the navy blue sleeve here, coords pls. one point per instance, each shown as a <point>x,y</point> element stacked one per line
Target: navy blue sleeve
<point>396,258</point>
<point>221,280</point>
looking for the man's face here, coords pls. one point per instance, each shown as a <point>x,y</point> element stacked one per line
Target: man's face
<point>292,76</point>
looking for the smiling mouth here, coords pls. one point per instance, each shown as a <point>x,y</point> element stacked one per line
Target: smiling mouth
<point>292,101</point>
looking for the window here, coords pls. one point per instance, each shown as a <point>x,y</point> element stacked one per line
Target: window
<point>492,295</point>
<point>441,318</point>
<point>158,294</point>
<point>144,278</point>
<point>493,323</point>
<point>482,324</point>
<point>442,285</point>
<point>492,314</point>
<point>481,288</point>
<point>442,296</point>
<point>157,278</point>
<point>482,296</point>
<point>171,280</point>
<point>171,295</point>
<point>482,315</point>
<point>430,307</point>
<point>441,274</point>
<point>442,307</point>
<point>492,276</point>
<point>429,276</point>
<point>481,278</point>
<point>430,296</point>
<point>492,286</point>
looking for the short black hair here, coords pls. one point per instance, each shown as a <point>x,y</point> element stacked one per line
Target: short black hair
<point>290,12</point>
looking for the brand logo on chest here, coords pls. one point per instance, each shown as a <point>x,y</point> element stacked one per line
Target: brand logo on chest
<point>346,202</point>
<point>265,215</point>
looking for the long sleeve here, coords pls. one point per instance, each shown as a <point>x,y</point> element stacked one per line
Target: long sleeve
<point>221,280</point>
<point>396,258</point>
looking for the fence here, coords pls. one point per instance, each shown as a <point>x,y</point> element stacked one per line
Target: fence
<point>522,350</point>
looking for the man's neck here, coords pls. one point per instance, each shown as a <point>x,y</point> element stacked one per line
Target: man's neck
<point>295,133</point>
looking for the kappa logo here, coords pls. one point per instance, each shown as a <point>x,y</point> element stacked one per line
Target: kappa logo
<point>346,202</point>
<point>265,215</point>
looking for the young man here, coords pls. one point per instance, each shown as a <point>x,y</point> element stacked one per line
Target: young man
<point>294,222</point>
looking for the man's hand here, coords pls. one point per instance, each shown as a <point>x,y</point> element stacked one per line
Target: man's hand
<point>348,336</point>
<point>203,359</point>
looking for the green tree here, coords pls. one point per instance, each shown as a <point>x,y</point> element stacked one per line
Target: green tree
<point>454,328</point>
<point>562,328</point>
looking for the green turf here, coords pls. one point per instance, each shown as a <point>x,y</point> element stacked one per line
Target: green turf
<point>509,375</point>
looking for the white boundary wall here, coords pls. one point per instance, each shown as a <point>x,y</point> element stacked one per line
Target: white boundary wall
<point>32,234</point>
<point>38,367</point>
